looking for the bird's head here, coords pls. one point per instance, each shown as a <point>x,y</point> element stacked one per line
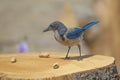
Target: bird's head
<point>54,26</point>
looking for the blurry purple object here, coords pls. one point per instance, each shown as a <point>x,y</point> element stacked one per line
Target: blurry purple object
<point>22,47</point>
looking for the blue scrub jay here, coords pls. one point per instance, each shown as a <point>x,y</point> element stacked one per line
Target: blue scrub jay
<point>68,37</point>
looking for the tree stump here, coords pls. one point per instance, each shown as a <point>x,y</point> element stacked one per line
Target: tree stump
<point>30,66</point>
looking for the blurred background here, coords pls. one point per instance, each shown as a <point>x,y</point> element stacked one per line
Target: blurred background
<point>22,23</point>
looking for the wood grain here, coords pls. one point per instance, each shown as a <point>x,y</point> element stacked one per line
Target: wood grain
<point>31,66</point>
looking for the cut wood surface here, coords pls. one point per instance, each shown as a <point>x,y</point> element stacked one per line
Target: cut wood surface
<point>31,66</point>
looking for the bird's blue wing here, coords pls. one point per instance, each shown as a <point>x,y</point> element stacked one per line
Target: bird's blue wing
<point>90,24</point>
<point>78,31</point>
<point>75,33</point>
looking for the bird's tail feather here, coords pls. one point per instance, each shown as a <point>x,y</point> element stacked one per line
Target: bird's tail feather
<point>89,25</point>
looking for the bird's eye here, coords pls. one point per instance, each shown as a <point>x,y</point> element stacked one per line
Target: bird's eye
<point>51,26</point>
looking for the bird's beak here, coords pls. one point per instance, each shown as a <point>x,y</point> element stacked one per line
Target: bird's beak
<point>46,30</point>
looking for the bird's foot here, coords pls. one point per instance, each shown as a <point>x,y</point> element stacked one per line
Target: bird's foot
<point>67,58</point>
<point>80,58</point>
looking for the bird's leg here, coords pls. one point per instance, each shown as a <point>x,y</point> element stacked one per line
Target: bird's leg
<point>79,51</point>
<point>67,53</point>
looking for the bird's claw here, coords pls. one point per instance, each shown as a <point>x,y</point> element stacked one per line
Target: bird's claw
<point>80,58</point>
<point>67,58</point>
